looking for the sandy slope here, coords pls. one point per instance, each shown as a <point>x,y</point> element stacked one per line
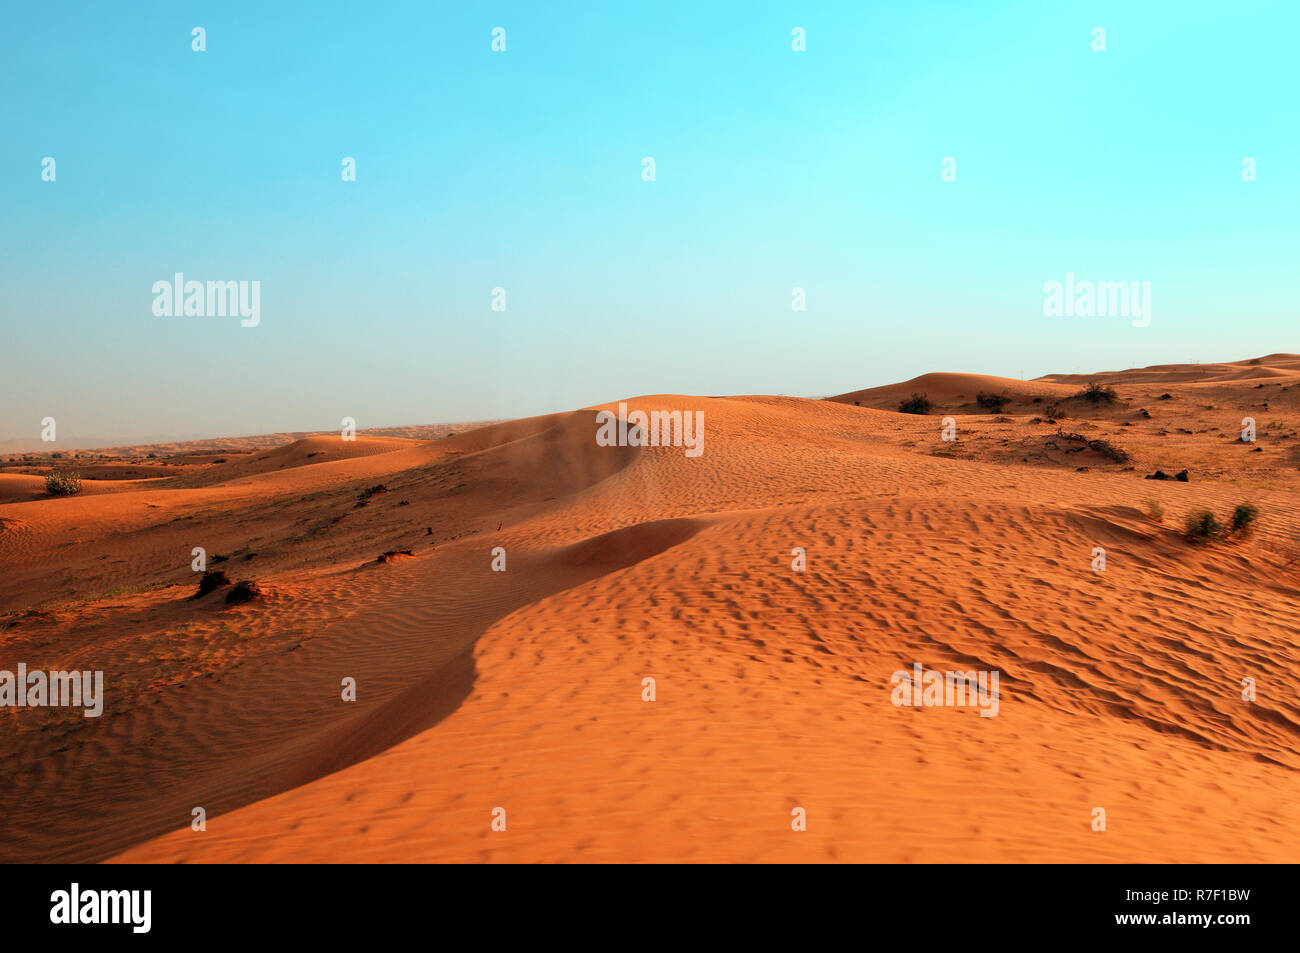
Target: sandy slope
<point>523,689</point>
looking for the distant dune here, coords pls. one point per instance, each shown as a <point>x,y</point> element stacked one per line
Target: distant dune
<point>764,594</point>
<point>201,446</point>
<point>1259,368</point>
<point>953,389</point>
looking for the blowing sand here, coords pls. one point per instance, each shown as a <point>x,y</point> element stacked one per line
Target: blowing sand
<point>524,689</point>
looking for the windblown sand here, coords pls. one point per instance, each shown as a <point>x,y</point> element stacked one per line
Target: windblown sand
<point>523,689</point>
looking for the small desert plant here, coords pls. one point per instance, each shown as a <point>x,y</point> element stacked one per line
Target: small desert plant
<point>1104,447</point>
<point>1155,511</point>
<point>245,591</point>
<point>916,404</point>
<point>1096,393</point>
<point>992,402</point>
<point>212,579</point>
<point>1243,518</point>
<point>1055,412</point>
<point>62,484</point>
<point>1202,527</point>
<point>1109,450</point>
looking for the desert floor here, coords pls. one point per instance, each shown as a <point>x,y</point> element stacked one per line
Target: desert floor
<point>523,690</point>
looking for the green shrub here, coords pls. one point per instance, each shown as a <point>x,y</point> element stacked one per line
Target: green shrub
<point>1202,527</point>
<point>916,404</point>
<point>1243,517</point>
<point>212,579</point>
<point>1096,393</point>
<point>63,484</point>
<point>993,402</point>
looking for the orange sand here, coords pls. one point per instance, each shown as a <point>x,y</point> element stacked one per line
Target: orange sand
<point>523,689</point>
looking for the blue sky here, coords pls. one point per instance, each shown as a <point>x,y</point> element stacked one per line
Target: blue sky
<point>477,169</point>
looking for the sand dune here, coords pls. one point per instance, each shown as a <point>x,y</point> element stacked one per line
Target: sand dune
<point>1259,368</point>
<point>954,389</point>
<point>310,451</point>
<point>525,689</point>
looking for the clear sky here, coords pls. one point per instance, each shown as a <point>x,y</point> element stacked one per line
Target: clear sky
<point>523,170</point>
